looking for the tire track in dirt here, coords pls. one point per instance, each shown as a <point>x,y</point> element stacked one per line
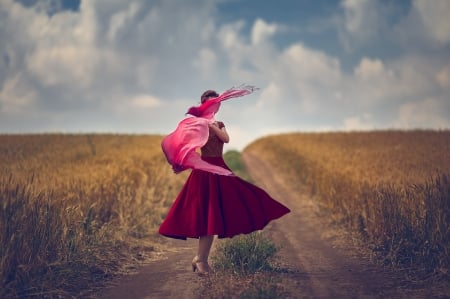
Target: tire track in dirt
<point>316,268</point>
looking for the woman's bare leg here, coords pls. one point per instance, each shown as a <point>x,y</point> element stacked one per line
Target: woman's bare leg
<point>204,248</point>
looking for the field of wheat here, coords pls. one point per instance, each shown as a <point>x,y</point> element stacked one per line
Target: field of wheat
<point>75,209</point>
<point>391,187</point>
<point>71,206</point>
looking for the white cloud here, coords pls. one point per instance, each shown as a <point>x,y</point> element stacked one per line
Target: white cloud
<point>360,17</point>
<point>16,96</point>
<point>363,122</point>
<point>63,65</point>
<point>206,62</point>
<point>229,35</point>
<point>371,82</point>
<point>308,77</point>
<point>309,64</point>
<point>435,17</point>
<point>429,113</point>
<point>145,101</point>
<point>366,24</point>
<point>270,95</point>
<point>261,31</point>
<point>389,84</point>
<point>443,77</point>
<point>370,69</point>
<point>239,137</point>
<point>118,21</point>
<point>360,24</point>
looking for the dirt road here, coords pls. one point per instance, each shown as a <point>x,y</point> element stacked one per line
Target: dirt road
<point>319,263</point>
<point>319,267</point>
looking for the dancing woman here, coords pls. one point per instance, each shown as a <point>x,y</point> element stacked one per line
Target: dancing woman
<point>213,201</point>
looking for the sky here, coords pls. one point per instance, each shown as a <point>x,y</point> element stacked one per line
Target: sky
<point>135,67</point>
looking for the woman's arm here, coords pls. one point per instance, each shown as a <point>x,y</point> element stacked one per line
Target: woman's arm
<point>220,132</point>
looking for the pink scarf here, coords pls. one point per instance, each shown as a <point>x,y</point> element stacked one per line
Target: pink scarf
<point>180,146</point>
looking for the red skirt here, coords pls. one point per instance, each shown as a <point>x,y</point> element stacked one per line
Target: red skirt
<point>212,204</point>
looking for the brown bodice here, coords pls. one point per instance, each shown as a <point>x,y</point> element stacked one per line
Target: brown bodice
<point>214,146</point>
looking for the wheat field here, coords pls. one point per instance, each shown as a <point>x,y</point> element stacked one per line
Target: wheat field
<point>74,208</point>
<point>390,187</point>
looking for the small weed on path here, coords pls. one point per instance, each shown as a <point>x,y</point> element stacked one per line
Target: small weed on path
<point>245,254</point>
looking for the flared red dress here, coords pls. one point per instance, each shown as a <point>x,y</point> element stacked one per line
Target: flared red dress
<point>213,204</point>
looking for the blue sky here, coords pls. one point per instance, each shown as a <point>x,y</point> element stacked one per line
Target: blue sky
<point>136,66</point>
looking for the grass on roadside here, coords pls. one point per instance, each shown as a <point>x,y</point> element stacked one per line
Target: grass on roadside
<point>234,161</point>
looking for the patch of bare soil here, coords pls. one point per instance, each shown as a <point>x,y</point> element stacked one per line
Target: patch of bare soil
<point>316,259</point>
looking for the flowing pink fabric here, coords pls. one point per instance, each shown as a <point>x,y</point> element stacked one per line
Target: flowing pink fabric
<point>180,146</point>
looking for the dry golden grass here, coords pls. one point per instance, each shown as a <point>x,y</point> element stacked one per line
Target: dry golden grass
<point>71,206</point>
<point>392,187</point>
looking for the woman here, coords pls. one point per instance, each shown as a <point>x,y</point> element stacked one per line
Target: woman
<point>213,200</point>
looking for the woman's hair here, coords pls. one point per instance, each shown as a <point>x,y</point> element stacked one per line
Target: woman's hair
<point>208,94</point>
